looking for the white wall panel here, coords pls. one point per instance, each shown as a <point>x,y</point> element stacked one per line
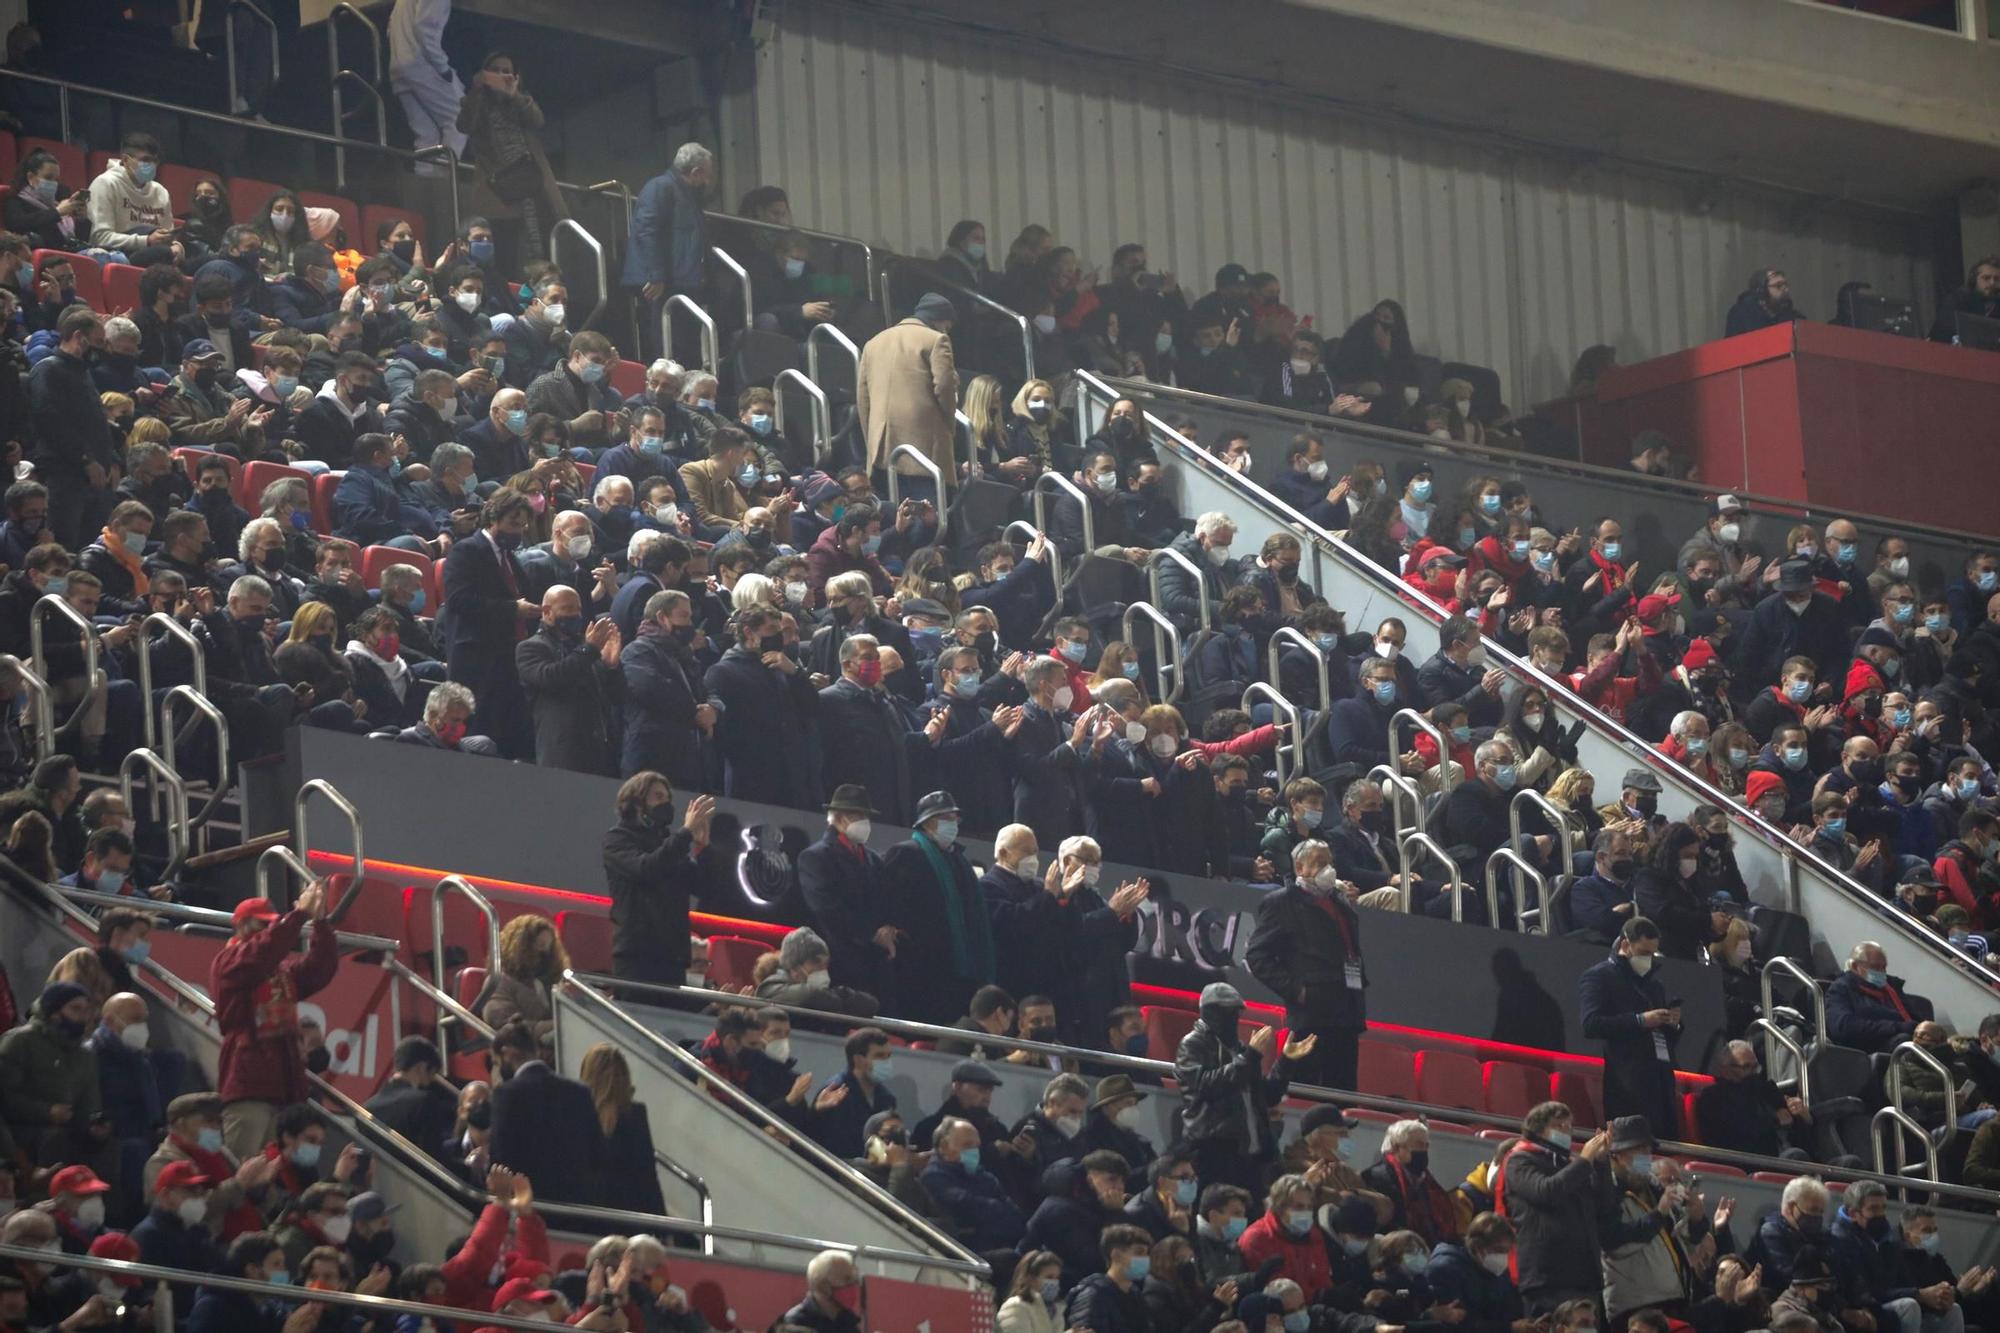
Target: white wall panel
<point>893,130</point>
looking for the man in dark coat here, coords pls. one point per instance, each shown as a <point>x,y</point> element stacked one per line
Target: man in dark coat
<point>767,703</point>
<point>1307,949</point>
<point>544,1125</point>
<point>1626,1008</point>
<point>416,1103</point>
<point>1868,1009</point>
<point>1081,1197</point>
<point>1048,755</point>
<point>843,883</point>
<point>667,709</point>
<point>653,869</point>
<point>944,946</point>
<point>1794,621</point>
<point>569,671</point>
<point>1555,1196</point>
<point>1765,300</point>
<point>864,739</point>
<point>481,618</point>
<point>1226,1098</point>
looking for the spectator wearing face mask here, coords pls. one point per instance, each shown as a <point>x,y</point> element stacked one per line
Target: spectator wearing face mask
<point>653,869</point>
<point>1626,1007</point>
<point>1868,1009</point>
<point>569,669</point>
<point>802,978</point>
<point>1307,949</point>
<point>49,1087</point>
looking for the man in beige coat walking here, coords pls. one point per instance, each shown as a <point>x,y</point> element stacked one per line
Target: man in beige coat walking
<point>908,393</point>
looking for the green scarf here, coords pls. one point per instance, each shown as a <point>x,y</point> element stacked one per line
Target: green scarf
<point>971,956</point>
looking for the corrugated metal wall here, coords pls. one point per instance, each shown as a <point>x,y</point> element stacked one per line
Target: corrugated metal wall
<point>893,131</point>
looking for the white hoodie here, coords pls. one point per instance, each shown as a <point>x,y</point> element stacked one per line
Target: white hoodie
<point>123,213</point>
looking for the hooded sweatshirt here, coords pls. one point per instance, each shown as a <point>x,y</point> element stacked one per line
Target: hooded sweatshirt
<point>123,213</point>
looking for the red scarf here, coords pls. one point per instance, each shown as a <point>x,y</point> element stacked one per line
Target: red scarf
<point>1420,1206</point>
<point>1614,573</point>
<point>1886,995</point>
<point>244,1217</point>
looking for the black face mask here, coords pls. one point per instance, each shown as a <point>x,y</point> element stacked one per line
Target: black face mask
<point>986,643</point>
<point>480,1116</point>
<point>1123,428</point>
<point>1287,574</point>
<point>404,250</point>
<point>320,1060</point>
<point>1420,1161</point>
<point>1868,772</point>
<point>1647,805</point>
<point>771,643</point>
<point>1221,1020</point>
<point>1043,1032</point>
<point>1622,867</point>
<point>659,816</point>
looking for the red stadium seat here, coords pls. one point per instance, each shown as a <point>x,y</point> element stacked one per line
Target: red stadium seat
<point>374,215</point>
<point>1164,1029</point>
<point>587,936</point>
<point>377,909</point>
<point>180,182</point>
<point>75,170</point>
<point>192,459</point>
<point>323,487</point>
<point>628,377</point>
<point>1513,1088</point>
<point>258,474</point>
<point>121,288</point>
<point>350,215</point>
<point>1717,1169</point>
<point>732,959</point>
<point>375,559</point>
<point>471,981</point>
<point>89,275</point>
<point>248,195</point>
<point>1383,1070</point>
<point>1582,1090</point>
<point>1449,1078</point>
<point>588,473</point>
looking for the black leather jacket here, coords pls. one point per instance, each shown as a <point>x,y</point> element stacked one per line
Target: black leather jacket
<point>1226,1095</point>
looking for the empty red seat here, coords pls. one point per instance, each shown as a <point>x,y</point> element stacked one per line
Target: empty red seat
<point>1690,1123</point>
<point>466,989</point>
<point>1449,1078</point>
<point>1383,1070</point>
<point>75,169</point>
<point>1582,1090</point>
<point>464,928</point>
<point>1718,1169</point>
<point>192,459</point>
<point>180,182</point>
<point>1513,1088</point>
<point>350,216</point>
<point>121,288</point>
<point>374,215</point>
<point>628,377</point>
<point>258,474</point>
<point>323,487</point>
<point>1164,1029</point>
<point>587,936</point>
<point>732,959</point>
<point>248,195</point>
<point>89,276</point>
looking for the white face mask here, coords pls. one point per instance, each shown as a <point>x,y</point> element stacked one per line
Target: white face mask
<point>1091,874</point>
<point>578,546</point>
<point>337,1228</point>
<point>193,1210</point>
<point>796,593</point>
<point>555,314</point>
<point>1728,532</point>
<point>1163,745</point>
<point>1069,1126</point>
<point>781,1049</point>
<point>90,1213</point>
<point>1064,696</point>
<point>1387,651</point>
<point>1642,963</point>
<point>112,1291</point>
<point>467,301</point>
<point>1135,732</point>
<point>1326,881</point>
<point>135,1036</point>
<point>1028,867</point>
<point>1301,366</point>
<point>1317,471</point>
<point>820,980</point>
<point>859,829</point>
<point>1126,1118</point>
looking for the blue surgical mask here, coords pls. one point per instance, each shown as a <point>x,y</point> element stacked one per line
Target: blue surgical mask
<point>1905,613</point>
<point>947,831</point>
<point>1795,756</point>
<point>1420,491</point>
<point>306,1155</point>
<point>748,475</point>
<point>48,189</point>
<point>1611,550</point>
<point>1901,717</point>
<point>1327,642</point>
<point>1415,1262</point>
<point>883,1068</point>
<point>134,953</point>
<point>1503,777</point>
<point>209,1139</point>
<point>760,422</point>
<point>1844,553</point>
<point>1298,1321</point>
<point>795,268</point>
<point>1138,1268</point>
<point>1461,733</point>
<point>1235,1227</point>
<point>1797,690</point>
<point>481,251</point>
<point>1545,560</point>
<point>1489,504</point>
<point>1930,1242</point>
<point>705,404</point>
<point>1163,342</point>
<point>872,545</point>
<point>58,584</point>
<point>1520,548</point>
<point>1877,978</point>
<point>1642,1164</point>
<point>965,684</point>
<point>1835,827</point>
<point>1131,670</point>
<point>1186,1192</point>
<point>1987,580</point>
<point>284,385</point>
<point>1967,788</point>
<point>111,881</point>
<point>144,172</point>
<point>417,602</point>
<point>1385,691</point>
<point>135,542</point>
<point>591,372</point>
<point>517,421</point>
<point>439,354</point>
<point>1467,536</point>
<point>1299,1221</point>
<point>969,1159</point>
<point>1072,650</point>
<point>1937,624</point>
<point>651,445</point>
<point>1311,817</point>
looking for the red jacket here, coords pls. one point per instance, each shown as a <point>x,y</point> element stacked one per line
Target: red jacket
<point>1611,693</point>
<point>257,983</point>
<point>1955,886</point>
<point>468,1274</point>
<point>1703,767</point>
<point>828,556</point>
<point>1427,750</point>
<point>1306,1261</point>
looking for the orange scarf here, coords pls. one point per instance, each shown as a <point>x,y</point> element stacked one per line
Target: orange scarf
<point>114,544</point>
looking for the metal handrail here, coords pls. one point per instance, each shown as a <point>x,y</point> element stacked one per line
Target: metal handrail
<point>1436,733</point>
<point>175,630</point>
<point>1895,1080</point>
<point>1792,1048</point>
<point>1510,460</point>
<point>829,331</point>
<point>1020,320</point>
<point>743,277</point>
<point>1550,812</point>
<point>923,461</point>
<point>711,355</point>
<point>1279,704</point>
<point>1200,583</point>
<point>822,411</point>
<point>1055,556</point>
<point>1540,912</point>
<point>1904,1126</point>
<point>867,250</point>
<point>1912,932</point>
<point>280,858</point>
<point>1429,844</point>
<point>178,811</point>
<point>1289,634</point>
<point>338,74</point>
<point>953,1254</point>
<point>229,43</point>
<point>374,34</point>
<point>346,76</point>
<point>208,918</point>
<point>85,629</point>
<point>1780,963</point>
<point>597,262</point>
<point>41,707</point>
<point>1162,663</point>
<point>201,705</point>
<point>1041,501</point>
<point>346,807</point>
<point>458,884</point>
<point>1404,788</point>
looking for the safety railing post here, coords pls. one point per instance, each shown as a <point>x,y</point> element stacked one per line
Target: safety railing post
<point>1561,825</point>
<point>728,261</point>
<point>1780,963</point>
<point>208,710</point>
<point>822,413</point>
<point>1445,780</point>
<point>41,709</point>
<point>1075,493</point>
<point>458,884</point>
<point>321,787</point>
<point>1166,638</point>
<point>922,460</point>
<point>829,333</point>
<point>1055,556</point>
<point>1396,789</point>
<point>1288,634</point>
<point>711,353</point>
<point>88,634</point>
<point>1540,912</point>
<point>178,812</point>
<point>1286,754</point>
<point>596,258</point>
<point>1168,553</point>
<point>1797,1052</point>
<point>1425,842</point>
<point>173,629</point>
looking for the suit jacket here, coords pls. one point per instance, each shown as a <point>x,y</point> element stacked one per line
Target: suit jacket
<point>478,623</point>
<point>929,982</point>
<point>663,687</point>
<point>1048,779</point>
<point>763,730</point>
<point>495,452</point>
<point>844,893</point>
<point>1636,1080</point>
<point>717,499</point>
<point>424,1116</point>
<point>574,697</point>
<point>907,393</point>
<point>545,1127</point>
<point>864,740</point>
<point>1301,951</point>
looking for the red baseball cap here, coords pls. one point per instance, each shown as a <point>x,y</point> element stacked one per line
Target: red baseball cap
<point>521,1289</point>
<point>117,1245</point>
<point>1651,607</point>
<point>76,1180</point>
<point>181,1176</point>
<point>257,909</point>
<point>1759,784</point>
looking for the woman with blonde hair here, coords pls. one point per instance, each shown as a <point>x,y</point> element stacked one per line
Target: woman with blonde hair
<point>1742,987</point>
<point>1574,792</point>
<point>313,625</point>
<point>928,574</point>
<point>148,430</point>
<point>631,1178</point>
<point>532,960</point>
<point>984,405</point>
<point>1119,661</point>
<point>1034,433</point>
